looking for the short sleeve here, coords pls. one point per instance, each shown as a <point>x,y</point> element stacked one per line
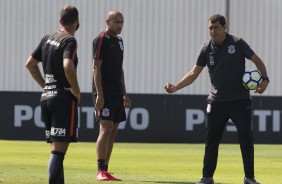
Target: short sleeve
<point>37,53</point>
<point>246,49</point>
<point>202,58</point>
<point>70,49</point>
<point>98,48</point>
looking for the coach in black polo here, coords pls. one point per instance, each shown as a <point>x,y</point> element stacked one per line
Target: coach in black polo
<point>224,55</point>
<point>109,91</point>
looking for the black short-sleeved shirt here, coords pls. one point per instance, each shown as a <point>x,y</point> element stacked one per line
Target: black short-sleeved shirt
<point>226,66</point>
<point>110,50</point>
<point>51,51</point>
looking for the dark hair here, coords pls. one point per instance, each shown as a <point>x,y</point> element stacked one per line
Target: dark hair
<point>69,15</point>
<point>218,18</point>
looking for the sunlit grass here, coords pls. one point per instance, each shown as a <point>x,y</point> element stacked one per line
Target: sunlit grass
<point>25,162</point>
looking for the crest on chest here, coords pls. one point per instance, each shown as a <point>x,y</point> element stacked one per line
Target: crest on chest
<point>211,60</point>
<point>121,45</point>
<point>231,49</point>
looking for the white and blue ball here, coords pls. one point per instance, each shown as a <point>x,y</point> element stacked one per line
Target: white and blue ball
<point>251,79</point>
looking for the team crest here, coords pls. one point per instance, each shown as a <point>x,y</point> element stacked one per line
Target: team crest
<point>209,108</point>
<point>106,112</point>
<point>231,49</point>
<point>121,45</point>
<point>211,60</point>
<point>48,133</point>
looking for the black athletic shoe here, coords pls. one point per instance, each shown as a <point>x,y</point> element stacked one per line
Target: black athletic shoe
<point>250,181</point>
<point>206,180</point>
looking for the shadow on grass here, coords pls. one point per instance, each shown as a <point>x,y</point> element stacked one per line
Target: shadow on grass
<point>172,182</point>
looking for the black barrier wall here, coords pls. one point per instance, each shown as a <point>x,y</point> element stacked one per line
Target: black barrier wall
<point>152,118</point>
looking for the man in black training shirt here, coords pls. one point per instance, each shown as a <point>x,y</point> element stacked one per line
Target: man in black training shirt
<point>224,55</point>
<point>61,93</point>
<point>109,91</point>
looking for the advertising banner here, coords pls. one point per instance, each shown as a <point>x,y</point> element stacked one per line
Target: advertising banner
<point>152,118</point>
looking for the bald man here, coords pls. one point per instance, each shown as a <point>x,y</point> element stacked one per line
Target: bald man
<point>109,92</point>
<point>61,93</point>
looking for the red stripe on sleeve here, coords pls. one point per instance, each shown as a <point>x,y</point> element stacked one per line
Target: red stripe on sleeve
<point>72,119</point>
<point>100,44</point>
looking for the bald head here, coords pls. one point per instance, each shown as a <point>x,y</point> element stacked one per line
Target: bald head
<point>113,14</point>
<point>115,22</point>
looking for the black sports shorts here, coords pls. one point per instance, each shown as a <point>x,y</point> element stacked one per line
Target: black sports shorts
<point>61,118</point>
<point>113,109</point>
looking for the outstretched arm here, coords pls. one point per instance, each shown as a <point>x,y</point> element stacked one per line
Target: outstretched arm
<point>188,79</point>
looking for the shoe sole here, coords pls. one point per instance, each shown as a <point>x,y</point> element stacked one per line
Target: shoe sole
<point>103,180</point>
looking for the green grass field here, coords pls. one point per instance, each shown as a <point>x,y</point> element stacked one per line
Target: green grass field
<point>25,162</point>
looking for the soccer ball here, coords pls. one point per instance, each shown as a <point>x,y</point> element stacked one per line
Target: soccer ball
<point>251,79</point>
